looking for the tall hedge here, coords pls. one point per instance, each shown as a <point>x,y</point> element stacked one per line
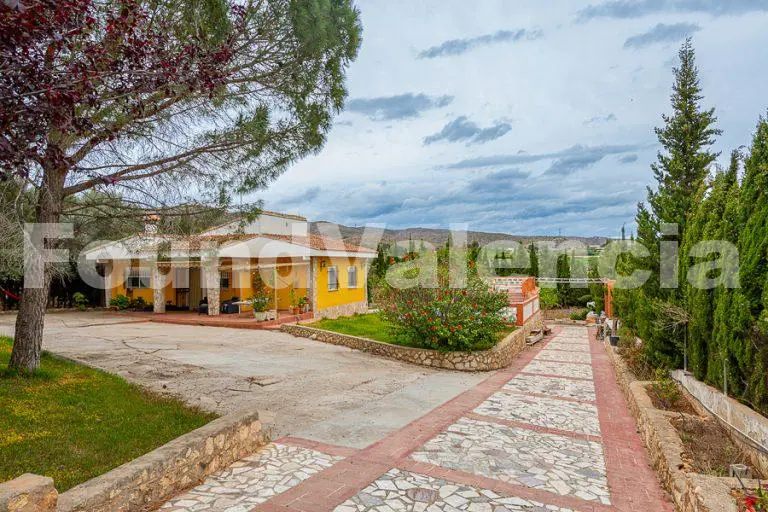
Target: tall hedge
<point>724,330</point>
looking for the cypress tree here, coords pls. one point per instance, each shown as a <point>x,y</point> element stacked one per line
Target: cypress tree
<point>534,260</point>
<point>750,346</point>
<point>685,160</point>
<point>680,171</point>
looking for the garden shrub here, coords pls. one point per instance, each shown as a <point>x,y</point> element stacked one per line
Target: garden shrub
<point>80,301</point>
<point>548,298</point>
<point>666,389</point>
<point>138,303</point>
<point>634,355</point>
<point>580,315</point>
<point>120,302</point>
<point>445,318</point>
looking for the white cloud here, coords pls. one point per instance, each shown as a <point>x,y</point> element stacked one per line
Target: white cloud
<point>584,108</point>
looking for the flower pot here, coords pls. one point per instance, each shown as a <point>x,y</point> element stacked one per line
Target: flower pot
<point>260,316</point>
<point>296,310</point>
<point>614,340</point>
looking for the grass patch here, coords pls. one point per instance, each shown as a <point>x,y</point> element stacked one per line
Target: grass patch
<point>72,423</point>
<point>374,327</point>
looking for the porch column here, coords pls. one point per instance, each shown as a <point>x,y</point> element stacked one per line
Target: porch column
<point>159,280</point>
<point>312,271</point>
<point>212,284</point>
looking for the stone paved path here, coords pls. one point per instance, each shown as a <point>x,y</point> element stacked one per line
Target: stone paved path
<point>550,433</point>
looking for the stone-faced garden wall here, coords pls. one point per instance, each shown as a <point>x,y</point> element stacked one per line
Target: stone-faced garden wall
<point>498,357</point>
<point>740,421</point>
<point>691,492</point>
<point>145,483</point>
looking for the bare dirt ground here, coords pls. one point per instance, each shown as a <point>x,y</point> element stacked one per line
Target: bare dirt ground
<point>302,387</point>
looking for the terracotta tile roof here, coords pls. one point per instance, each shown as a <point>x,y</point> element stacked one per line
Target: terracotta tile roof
<point>321,243</point>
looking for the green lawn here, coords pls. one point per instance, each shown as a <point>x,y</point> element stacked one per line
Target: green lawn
<point>72,423</point>
<point>373,326</point>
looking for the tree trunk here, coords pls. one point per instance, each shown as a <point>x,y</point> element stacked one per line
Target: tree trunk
<point>28,339</point>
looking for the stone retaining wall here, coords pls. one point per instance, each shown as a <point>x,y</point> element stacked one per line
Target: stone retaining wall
<point>150,480</point>
<point>691,492</point>
<point>28,493</point>
<point>498,357</point>
<point>741,422</point>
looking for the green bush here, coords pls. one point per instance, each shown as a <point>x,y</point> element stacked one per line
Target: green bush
<point>445,318</point>
<point>549,298</point>
<point>80,301</point>
<point>580,315</point>
<point>120,302</point>
<point>138,303</point>
<point>634,355</point>
<point>666,389</point>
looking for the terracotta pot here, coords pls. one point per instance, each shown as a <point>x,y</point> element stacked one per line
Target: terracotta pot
<point>296,310</point>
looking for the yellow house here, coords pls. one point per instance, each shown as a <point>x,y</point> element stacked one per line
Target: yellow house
<point>322,275</point>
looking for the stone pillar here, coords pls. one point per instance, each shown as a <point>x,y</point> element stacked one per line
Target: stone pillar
<point>28,493</point>
<point>313,276</point>
<point>159,280</point>
<point>212,278</point>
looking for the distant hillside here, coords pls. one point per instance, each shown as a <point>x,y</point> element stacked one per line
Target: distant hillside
<point>439,237</point>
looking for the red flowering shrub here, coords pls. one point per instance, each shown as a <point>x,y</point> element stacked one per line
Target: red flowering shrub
<point>444,318</point>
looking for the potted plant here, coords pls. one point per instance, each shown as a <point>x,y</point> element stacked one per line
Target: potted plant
<point>259,304</point>
<point>304,304</point>
<point>295,308</point>
<point>260,299</point>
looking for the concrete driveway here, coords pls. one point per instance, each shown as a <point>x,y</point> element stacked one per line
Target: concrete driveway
<point>304,388</point>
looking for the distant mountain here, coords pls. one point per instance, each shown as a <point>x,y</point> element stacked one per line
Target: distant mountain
<point>438,237</point>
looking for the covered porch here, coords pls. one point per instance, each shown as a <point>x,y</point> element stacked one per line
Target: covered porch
<point>227,287</point>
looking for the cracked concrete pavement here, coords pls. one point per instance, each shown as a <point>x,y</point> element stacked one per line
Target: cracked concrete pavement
<point>303,387</point>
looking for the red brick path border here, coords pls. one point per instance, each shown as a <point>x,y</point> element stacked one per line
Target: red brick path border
<point>633,485</point>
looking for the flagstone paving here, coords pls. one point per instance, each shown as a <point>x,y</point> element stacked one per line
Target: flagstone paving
<point>254,479</point>
<point>401,490</point>
<point>558,464</point>
<point>559,387</point>
<point>545,412</point>
<point>566,346</point>
<point>550,433</point>
<point>566,357</point>
<point>573,370</point>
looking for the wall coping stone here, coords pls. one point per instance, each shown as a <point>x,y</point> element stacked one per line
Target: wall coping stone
<point>150,480</point>
<point>28,493</point>
<point>500,356</point>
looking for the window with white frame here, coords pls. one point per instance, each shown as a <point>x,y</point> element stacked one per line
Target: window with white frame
<point>137,278</point>
<point>352,277</point>
<point>224,280</point>
<point>333,279</point>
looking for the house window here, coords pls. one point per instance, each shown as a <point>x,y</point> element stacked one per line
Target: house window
<point>352,277</point>
<point>224,280</point>
<point>138,278</point>
<point>333,279</point>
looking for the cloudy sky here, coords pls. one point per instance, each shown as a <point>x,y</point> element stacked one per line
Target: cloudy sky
<point>521,116</point>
